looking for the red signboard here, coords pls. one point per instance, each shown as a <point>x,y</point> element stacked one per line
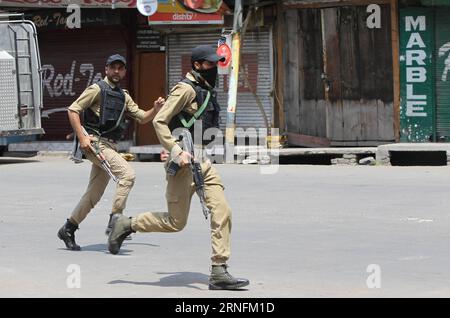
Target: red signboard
<point>185,18</point>
<point>202,6</point>
<point>175,13</point>
<point>225,51</point>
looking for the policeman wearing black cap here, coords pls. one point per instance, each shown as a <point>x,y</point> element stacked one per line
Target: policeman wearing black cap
<point>104,106</point>
<point>192,99</point>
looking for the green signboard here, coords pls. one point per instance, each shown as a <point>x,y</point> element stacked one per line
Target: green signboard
<point>416,75</point>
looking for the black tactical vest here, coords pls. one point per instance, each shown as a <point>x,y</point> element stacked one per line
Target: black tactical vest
<point>110,124</point>
<point>209,116</point>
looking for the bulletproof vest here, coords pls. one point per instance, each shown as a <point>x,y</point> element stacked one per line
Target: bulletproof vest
<point>209,115</point>
<point>110,124</point>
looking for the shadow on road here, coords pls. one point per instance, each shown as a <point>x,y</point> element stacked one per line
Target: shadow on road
<point>147,244</point>
<point>104,248</point>
<point>178,279</point>
<point>101,248</point>
<point>6,161</point>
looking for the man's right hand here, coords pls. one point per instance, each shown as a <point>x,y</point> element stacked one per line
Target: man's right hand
<point>85,142</point>
<point>184,159</point>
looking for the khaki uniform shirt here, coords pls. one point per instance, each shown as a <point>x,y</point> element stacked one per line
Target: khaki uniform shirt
<point>182,97</point>
<point>91,98</point>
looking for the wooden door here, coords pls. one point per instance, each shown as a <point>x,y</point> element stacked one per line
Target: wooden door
<point>151,84</point>
<point>357,76</point>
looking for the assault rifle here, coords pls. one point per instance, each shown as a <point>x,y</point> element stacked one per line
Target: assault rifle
<point>77,155</point>
<point>188,145</point>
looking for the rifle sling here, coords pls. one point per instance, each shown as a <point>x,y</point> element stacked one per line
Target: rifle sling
<point>198,113</point>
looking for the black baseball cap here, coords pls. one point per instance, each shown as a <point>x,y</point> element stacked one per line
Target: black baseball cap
<point>207,53</point>
<point>116,58</point>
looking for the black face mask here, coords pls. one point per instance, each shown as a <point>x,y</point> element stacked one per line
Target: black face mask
<point>209,75</point>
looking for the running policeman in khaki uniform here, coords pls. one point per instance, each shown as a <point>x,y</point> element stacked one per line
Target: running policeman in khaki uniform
<point>185,99</point>
<point>104,106</point>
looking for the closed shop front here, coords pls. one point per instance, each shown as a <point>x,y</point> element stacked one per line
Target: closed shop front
<point>257,64</point>
<point>74,58</point>
<point>71,61</point>
<point>425,74</point>
<point>442,73</point>
<point>339,88</point>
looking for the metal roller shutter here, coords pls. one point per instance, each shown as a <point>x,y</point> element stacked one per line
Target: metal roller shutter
<point>442,72</point>
<point>257,58</point>
<point>71,61</point>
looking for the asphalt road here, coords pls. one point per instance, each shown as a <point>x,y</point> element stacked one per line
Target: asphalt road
<point>305,231</point>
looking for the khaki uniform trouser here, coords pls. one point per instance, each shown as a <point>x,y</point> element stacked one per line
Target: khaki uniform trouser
<point>179,192</point>
<point>99,179</point>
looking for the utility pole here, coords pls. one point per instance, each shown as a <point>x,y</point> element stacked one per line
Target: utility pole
<point>233,85</point>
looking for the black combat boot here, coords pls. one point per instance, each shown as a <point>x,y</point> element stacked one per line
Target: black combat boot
<point>112,217</point>
<point>121,228</point>
<point>67,234</point>
<point>221,279</point>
